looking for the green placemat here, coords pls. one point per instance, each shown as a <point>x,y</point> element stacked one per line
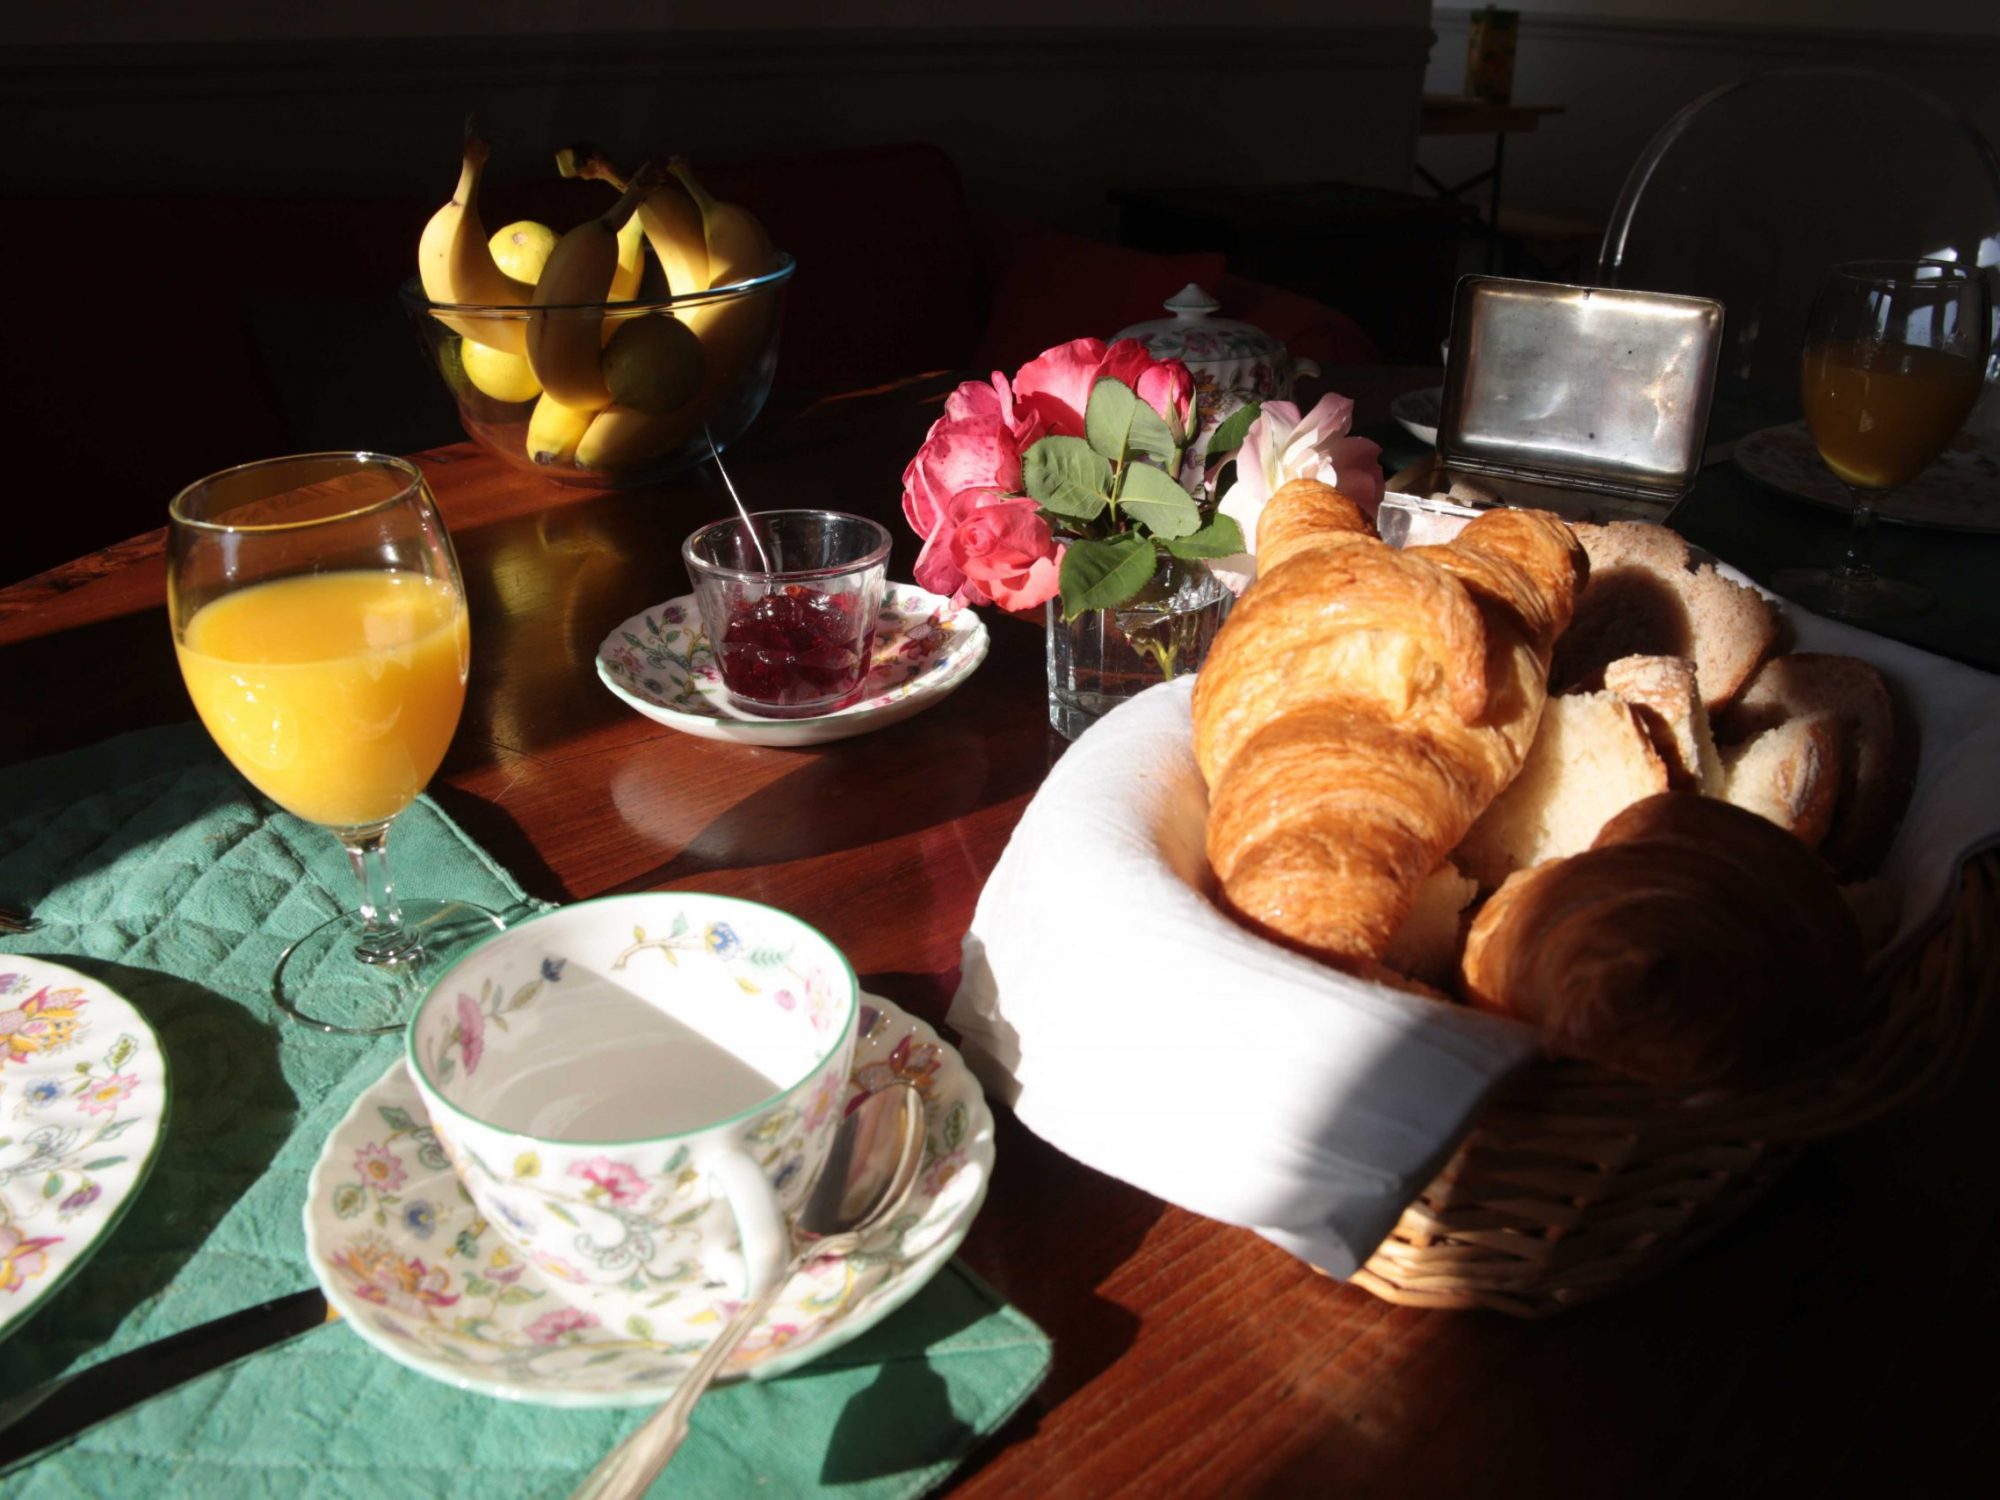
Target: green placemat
<point>153,866</point>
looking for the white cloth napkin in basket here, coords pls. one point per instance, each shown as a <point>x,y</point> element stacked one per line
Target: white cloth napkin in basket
<point>1132,1024</point>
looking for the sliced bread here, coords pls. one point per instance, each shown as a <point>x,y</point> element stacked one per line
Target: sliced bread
<point>1665,693</point>
<point>1874,761</point>
<point>1645,597</point>
<point>1790,774</point>
<point>1590,761</point>
<point>1426,946</point>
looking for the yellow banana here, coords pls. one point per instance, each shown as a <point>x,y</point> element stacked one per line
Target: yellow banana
<point>738,247</point>
<point>455,262</point>
<point>671,222</point>
<point>631,261</point>
<point>621,437</point>
<point>565,332</point>
<point>554,430</point>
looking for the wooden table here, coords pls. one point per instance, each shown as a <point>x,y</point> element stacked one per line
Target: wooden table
<point>1806,1350</point>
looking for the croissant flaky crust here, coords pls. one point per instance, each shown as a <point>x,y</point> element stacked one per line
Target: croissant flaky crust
<point>1693,942</point>
<point>1363,705</point>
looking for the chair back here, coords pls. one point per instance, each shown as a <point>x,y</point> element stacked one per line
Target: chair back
<point>1755,189</point>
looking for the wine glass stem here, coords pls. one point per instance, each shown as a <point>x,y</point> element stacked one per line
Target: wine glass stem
<point>1858,566</point>
<point>385,940</point>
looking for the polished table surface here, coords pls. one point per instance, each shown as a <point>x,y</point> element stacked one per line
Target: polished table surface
<point>1836,1340</point>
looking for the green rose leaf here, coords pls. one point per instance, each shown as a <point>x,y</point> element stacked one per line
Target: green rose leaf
<point>1119,423</point>
<point>1156,502</point>
<point>53,1186</point>
<point>1221,537</point>
<point>1102,575</point>
<point>1066,477</point>
<point>395,1117</point>
<point>103,1163</point>
<point>1107,420</point>
<point>1229,436</point>
<point>638,1327</point>
<point>121,1049</point>
<point>514,1296</point>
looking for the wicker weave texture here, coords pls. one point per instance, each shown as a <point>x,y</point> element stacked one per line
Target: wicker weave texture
<point>1574,1183</point>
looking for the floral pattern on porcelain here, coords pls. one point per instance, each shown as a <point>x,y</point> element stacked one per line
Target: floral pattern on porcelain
<point>78,1125</point>
<point>460,1305</point>
<point>644,1216</point>
<point>1232,362</point>
<point>669,662</point>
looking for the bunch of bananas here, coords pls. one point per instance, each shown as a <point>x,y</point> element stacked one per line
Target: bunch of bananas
<point>612,389</point>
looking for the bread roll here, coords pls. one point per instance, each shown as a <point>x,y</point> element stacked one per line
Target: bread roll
<point>1664,692</point>
<point>1647,598</point>
<point>1694,943</point>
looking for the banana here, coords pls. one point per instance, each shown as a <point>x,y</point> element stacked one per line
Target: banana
<point>671,222</point>
<point>565,339</point>
<point>621,437</point>
<point>554,430</point>
<point>738,247</point>
<point>631,261</point>
<point>455,263</point>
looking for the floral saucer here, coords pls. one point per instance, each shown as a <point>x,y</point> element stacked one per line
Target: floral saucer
<point>408,1263</point>
<point>662,664</point>
<point>83,1105</point>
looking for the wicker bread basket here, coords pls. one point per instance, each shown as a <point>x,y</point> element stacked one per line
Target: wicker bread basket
<point>1575,1183</point>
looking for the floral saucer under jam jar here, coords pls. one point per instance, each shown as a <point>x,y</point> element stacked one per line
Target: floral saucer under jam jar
<point>1231,362</point>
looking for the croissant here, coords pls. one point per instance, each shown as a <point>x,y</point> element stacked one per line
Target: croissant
<point>1692,943</point>
<point>1363,705</point>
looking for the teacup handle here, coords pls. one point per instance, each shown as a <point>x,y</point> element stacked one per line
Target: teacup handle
<point>760,1223</point>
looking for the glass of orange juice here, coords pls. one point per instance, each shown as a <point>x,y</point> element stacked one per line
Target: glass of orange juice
<point>320,622</point>
<point>1894,357</point>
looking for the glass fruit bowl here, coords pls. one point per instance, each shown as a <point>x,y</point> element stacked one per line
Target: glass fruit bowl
<point>689,369</point>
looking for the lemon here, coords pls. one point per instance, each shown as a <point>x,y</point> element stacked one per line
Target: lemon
<point>653,364</point>
<point>522,248</point>
<point>503,376</point>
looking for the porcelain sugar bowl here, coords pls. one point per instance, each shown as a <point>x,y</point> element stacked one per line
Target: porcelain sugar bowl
<point>1231,361</point>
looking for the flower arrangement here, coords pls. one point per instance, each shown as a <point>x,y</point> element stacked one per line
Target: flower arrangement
<point>1078,475</point>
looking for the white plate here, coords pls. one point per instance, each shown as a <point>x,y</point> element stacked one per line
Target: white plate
<point>83,1105</point>
<point>417,1273</point>
<point>662,664</point>
<point>1420,412</point>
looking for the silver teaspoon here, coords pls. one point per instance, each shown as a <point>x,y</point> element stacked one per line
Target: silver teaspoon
<point>868,1174</point>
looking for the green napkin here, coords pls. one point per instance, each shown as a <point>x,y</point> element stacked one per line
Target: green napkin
<point>153,866</point>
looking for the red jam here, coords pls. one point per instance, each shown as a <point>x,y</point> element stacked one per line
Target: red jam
<point>797,648</point>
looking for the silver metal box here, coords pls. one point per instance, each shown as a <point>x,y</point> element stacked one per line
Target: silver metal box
<point>1592,401</point>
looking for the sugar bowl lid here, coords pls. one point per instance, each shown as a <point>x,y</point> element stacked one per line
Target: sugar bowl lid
<point>1195,336</point>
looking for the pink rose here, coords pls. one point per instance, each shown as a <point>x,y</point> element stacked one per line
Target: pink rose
<point>989,548</point>
<point>977,443</point>
<point>1056,384</point>
<point>556,1325</point>
<point>1282,446</point>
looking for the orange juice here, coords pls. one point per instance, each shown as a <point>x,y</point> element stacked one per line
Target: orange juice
<point>334,693</point>
<point>1880,412</point>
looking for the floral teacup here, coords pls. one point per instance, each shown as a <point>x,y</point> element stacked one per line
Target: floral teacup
<point>637,1091</point>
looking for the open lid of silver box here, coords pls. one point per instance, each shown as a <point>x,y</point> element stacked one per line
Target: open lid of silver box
<point>1590,388</point>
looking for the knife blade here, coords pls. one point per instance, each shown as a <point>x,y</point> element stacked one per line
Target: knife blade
<point>118,1384</point>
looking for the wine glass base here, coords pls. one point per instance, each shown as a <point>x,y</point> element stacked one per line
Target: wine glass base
<point>322,980</point>
<point>1828,591</point>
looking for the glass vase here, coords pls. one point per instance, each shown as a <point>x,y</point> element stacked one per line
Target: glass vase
<point>1101,657</point>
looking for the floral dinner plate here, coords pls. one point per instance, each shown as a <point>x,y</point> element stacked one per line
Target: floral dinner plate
<point>411,1266</point>
<point>1960,491</point>
<point>662,664</point>
<point>83,1105</point>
